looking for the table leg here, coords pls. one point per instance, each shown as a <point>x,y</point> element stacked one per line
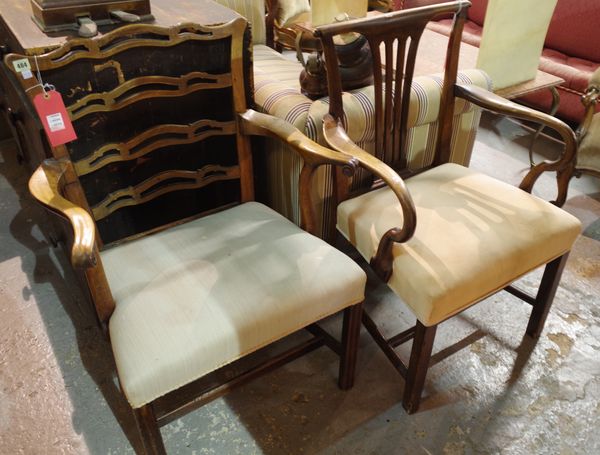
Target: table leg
<point>553,109</point>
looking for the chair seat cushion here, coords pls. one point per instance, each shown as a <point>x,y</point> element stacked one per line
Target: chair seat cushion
<point>474,236</point>
<point>200,295</point>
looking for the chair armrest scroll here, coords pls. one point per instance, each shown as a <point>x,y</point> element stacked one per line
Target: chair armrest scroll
<point>563,165</point>
<point>312,153</point>
<point>336,137</point>
<point>589,100</point>
<point>45,185</point>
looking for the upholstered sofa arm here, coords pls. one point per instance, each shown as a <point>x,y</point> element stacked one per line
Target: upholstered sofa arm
<point>45,185</point>
<point>497,104</point>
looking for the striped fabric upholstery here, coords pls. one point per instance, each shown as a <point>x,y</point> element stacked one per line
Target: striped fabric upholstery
<point>270,65</point>
<point>277,93</point>
<point>254,12</point>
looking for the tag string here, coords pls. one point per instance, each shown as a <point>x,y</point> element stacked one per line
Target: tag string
<point>40,81</point>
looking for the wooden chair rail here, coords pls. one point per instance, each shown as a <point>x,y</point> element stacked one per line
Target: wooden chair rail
<point>154,187</point>
<point>114,42</point>
<point>150,140</point>
<point>133,91</point>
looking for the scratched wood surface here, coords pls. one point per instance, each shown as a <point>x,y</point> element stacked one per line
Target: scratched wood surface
<point>153,111</point>
<point>22,35</point>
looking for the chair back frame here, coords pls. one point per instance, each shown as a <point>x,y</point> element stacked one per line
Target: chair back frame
<point>66,171</point>
<point>394,39</point>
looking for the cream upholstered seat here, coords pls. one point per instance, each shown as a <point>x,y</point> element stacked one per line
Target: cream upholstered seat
<point>240,279</point>
<point>474,236</point>
<point>185,271</point>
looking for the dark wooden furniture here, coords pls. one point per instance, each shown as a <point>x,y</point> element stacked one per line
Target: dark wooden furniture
<point>185,271</point>
<point>19,34</point>
<point>86,15</point>
<point>446,237</point>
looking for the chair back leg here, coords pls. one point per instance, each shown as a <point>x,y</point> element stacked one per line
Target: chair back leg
<point>418,366</point>
<point>350,338</point>
<point>149,430</point>
<point>545,295</point>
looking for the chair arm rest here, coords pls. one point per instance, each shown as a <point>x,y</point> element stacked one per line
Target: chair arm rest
<point>589,100</point>
<point>45,185</point>
<point>497,104</point>
<point>336,137</point>
<point>313,154</point>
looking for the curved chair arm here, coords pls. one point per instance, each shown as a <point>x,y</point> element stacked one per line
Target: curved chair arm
<point>255,123</point>
<point>45,185</point>
<point>336,137</point>
<point>589,101</point>
<point>313,154</point>
<point>563,166</point>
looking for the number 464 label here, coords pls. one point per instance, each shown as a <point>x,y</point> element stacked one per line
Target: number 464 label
<point>54,117</point>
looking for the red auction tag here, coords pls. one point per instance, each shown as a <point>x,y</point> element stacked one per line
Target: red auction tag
<point>54,117</point>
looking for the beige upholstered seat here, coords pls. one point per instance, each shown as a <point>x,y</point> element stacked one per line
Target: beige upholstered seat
<point>474,236</point>
<point>196,297</point>
<point>445,237</point>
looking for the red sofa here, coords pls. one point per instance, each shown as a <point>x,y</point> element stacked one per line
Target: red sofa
<point>571,49</point>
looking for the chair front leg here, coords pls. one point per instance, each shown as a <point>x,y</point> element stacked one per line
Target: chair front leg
<point>418,366</point>
<point>149,431</point>
<point>545,295</point>
<point>350,338</point>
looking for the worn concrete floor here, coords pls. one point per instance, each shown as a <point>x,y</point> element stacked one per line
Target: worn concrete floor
<point>496,393</point>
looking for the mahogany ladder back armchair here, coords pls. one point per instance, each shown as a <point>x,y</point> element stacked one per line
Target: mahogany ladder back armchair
<point>187,273</point>
<point>445,237</point>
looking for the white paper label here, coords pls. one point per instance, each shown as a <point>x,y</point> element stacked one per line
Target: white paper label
<point>27,74</point>
<point>55,122</point>
<point>22,65</point>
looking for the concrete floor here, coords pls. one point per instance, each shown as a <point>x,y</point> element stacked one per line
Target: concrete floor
<point>496,393</point>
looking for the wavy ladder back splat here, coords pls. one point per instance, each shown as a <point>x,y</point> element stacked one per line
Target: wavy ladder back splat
<point>124,162</point>
<point>186,305</point>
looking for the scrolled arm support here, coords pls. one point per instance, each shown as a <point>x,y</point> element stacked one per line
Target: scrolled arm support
<point>338,139</point>
<point>563,166</point>
<point>45,185</point>
<point>589,100</point>
<point>313,154</point>
<point>255,123</point>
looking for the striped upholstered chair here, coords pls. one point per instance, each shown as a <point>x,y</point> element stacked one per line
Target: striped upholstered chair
<point>277,92</point>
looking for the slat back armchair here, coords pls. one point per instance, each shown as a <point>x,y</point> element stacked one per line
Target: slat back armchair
<point>444,237</point>
<point>186,272</point>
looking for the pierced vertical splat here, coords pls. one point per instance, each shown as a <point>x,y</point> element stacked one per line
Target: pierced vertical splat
<point>394,40</point>
<point>375,43</point>
<point>403,100</point>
